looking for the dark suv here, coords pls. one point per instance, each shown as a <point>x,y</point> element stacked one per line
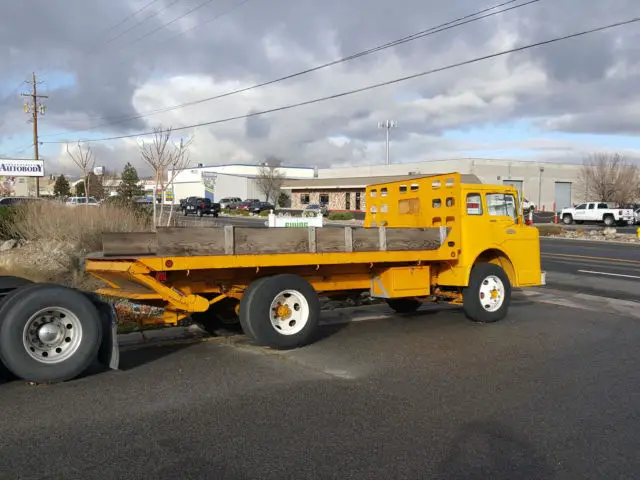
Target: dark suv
<point>200,206</point>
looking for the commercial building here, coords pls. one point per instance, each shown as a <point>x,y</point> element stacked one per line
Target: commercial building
<point>550,186</point>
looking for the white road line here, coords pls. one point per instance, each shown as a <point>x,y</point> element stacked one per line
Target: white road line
<point>610,274</point>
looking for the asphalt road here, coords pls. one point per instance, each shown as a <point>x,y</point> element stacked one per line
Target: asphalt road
<point>608,269</point>
<point>550,392</point>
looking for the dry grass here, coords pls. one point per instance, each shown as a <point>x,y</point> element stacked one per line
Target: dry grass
<point>80,227</point>
<point>57,237</point>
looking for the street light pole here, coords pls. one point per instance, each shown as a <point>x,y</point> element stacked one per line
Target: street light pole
<point>387,125</point>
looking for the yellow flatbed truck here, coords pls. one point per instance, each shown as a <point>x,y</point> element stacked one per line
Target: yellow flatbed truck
<point>425,239</point>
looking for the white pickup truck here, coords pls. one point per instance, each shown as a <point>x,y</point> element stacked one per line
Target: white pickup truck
<point>597,212</point>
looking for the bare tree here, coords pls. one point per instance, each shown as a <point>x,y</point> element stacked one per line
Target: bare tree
<point>609,178</point>
<point>163,157</point>
<point>180,163</point>
<point>85,160</point>
<point>270,178</point>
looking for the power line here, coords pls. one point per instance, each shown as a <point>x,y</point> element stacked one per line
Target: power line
<point>124,32</point>
<point>415,36</point>
<point>189,12</point>
<point>377,85</point>
<point>131,15</point>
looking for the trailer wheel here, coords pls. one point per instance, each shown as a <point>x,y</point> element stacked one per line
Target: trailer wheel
<point>281,311</point>
<point>49,333</point>
<point>488,295</point>
<point>404,305</point>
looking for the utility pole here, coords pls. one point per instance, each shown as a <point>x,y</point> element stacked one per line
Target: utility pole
<point>387,125</point>
<point>35,109</point>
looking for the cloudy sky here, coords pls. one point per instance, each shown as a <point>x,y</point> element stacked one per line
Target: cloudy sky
<point>110,73</point>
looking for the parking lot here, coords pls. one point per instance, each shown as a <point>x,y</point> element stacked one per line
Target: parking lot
<point>550,392</point>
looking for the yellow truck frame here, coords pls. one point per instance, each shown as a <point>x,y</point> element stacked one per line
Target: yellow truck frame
<point>424,239</point>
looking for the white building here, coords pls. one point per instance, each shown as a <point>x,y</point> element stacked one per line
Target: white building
<point>220,181</point>
<point>551,186</point>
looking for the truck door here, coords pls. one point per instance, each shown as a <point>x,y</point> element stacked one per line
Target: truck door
<point>509,232</point>
<point>591,213</point>
<point>581,212</point>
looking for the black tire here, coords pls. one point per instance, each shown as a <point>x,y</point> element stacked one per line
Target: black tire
<point>567,219</point>
<point>255,308</point>
<point>15,314</point>
<point>609,221</point>
<point>215,214</point>
<point>220,317</point>
<point>473,307</point>
<point>404,305</point>
<point>9,283</point>
<point>184,212</point>
<point>199,212</point>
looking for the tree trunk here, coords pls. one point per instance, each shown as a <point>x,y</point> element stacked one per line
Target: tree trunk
<point>155,207</point>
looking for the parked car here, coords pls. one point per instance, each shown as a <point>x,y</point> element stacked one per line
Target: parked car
<point>91,201</point>
<point>247,204</point>
<point>230,203</point>
<point>200,206</point>
<point>637,216</point>
<point>259,207</point>
<point>315,209</point>
<point>597,212</point>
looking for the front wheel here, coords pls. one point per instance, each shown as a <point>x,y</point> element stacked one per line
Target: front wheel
<point>280,312</point>
<point>199,213</point>
<point>567,219</point>
<point>49,333</point>
<point>609,221</point>
<point>487,298</point>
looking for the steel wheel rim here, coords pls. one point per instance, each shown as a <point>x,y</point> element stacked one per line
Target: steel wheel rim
<point>492,293</point>
<point>52,335</point>
<point>289,312</point>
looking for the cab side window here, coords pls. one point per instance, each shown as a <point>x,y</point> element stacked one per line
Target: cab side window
<point>502,205</point>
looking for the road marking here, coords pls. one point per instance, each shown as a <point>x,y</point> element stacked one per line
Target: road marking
<point>586,257</point>
<point>610,274</point>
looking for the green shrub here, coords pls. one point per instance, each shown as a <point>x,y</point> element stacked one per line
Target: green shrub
<point>264,213</point>
<point>243,213</point>
<point>341,216</point>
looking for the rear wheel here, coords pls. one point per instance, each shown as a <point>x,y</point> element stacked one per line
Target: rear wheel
<point>609,221</point>
<point>488,295</point>
<point>404,305</point>
<point>199,212</point>
<point>281,311</point>
<point>49,333</point>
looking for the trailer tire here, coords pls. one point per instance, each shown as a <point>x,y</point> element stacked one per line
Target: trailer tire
<point>30,354</point>
<point>404,305</point>
<point>475,303</point>
<point>282,311</point>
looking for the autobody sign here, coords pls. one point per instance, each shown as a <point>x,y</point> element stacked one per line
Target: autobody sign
<point>21,168</point>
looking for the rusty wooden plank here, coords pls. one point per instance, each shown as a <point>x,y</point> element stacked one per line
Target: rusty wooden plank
<point>191,241</point>
<point>253,241</point>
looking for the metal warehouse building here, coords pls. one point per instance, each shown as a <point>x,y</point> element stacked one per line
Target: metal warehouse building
<point>551,186</point>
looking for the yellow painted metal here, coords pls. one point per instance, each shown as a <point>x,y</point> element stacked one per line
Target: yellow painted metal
<point>398,282</point>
